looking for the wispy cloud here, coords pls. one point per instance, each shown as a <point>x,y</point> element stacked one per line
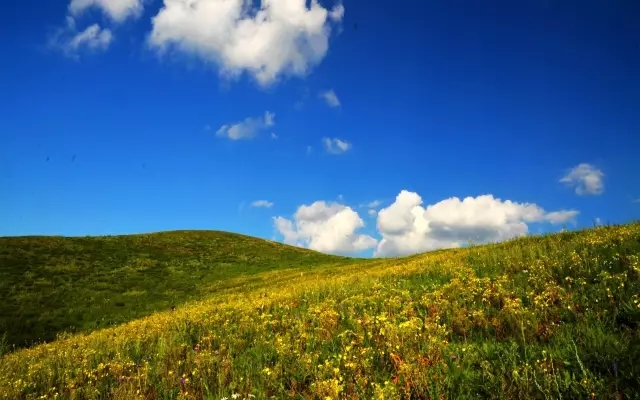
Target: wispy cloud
<point>330,97</point>
<point>71,41</point>
<point>248,128</point>
<point>559,217</point>
<point>241,207</point>
<point>586,179</point>
<point>262,203</point>
<point>372,204</point>
<point>117,11</point>
<point>335,145</point>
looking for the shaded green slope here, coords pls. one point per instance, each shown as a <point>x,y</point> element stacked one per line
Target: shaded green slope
<point>53,284</point>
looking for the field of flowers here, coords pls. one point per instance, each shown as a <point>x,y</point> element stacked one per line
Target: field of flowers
<point>53,284</point>
<point>539,317</point>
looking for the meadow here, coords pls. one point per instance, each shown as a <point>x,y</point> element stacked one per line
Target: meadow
<point>553,316</point>
<point>51,285</point>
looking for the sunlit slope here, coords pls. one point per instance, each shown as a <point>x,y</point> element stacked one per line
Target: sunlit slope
<point>54,284</point>
<point>543,317</point>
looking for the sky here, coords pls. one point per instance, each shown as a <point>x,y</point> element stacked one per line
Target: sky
<point>351,128</point>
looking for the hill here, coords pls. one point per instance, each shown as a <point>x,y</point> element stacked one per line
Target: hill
<point>49,285</point>
<point>540,317</point>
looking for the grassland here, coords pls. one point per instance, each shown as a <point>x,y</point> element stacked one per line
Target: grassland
<point>51,285</point>
<point>540,317</point>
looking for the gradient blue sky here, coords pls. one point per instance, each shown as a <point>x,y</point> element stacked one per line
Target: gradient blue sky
<point>441,99</point>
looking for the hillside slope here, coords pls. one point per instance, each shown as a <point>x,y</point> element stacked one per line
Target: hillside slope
<point>540,317</point>
<point>54,284</point>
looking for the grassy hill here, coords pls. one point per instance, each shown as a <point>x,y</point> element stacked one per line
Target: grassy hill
<point>49,285</point>
<point>540,317</point>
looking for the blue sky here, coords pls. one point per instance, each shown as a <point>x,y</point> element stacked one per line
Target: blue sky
<point>362,128</point>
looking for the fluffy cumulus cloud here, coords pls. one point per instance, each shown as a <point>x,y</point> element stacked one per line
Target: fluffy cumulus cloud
<point>280,37</point>
<point>248,128</point>
<point>586,179</point>
<point>117,10</point>
<point>335,145</point>
<point>262,203</point>
<point>407,227</point>
<point>326,227</point>
<point>330,97</point>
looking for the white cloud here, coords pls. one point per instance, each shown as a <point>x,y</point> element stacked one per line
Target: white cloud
<point>262,203</point>
<point>559,217</point>
<point>330,98</point>
<point>586,179</point>
<point>274,136</point>
<point>70,41</point>
<point>598,221</point>
<point>406,227</point>
<point>335,145</point>
<point>93,38</point>
<point>281,37</point>
<point>326,227</point>
<point>117,10</point>
<point>372,204</point>
<point>309,149</point>
<point>248,128</point>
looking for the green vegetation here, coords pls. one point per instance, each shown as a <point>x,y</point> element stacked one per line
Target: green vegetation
<point>49,285</point>
<point>540,317</point>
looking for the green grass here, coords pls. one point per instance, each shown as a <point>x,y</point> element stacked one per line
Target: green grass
<point>50,285</point>
<point>551,317</point>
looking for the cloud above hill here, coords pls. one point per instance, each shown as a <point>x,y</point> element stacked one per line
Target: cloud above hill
<point>278,38</point>
<point>326,227</point>
<point>407,227</point>
<point>248,128</point>
<point>586,179</point>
